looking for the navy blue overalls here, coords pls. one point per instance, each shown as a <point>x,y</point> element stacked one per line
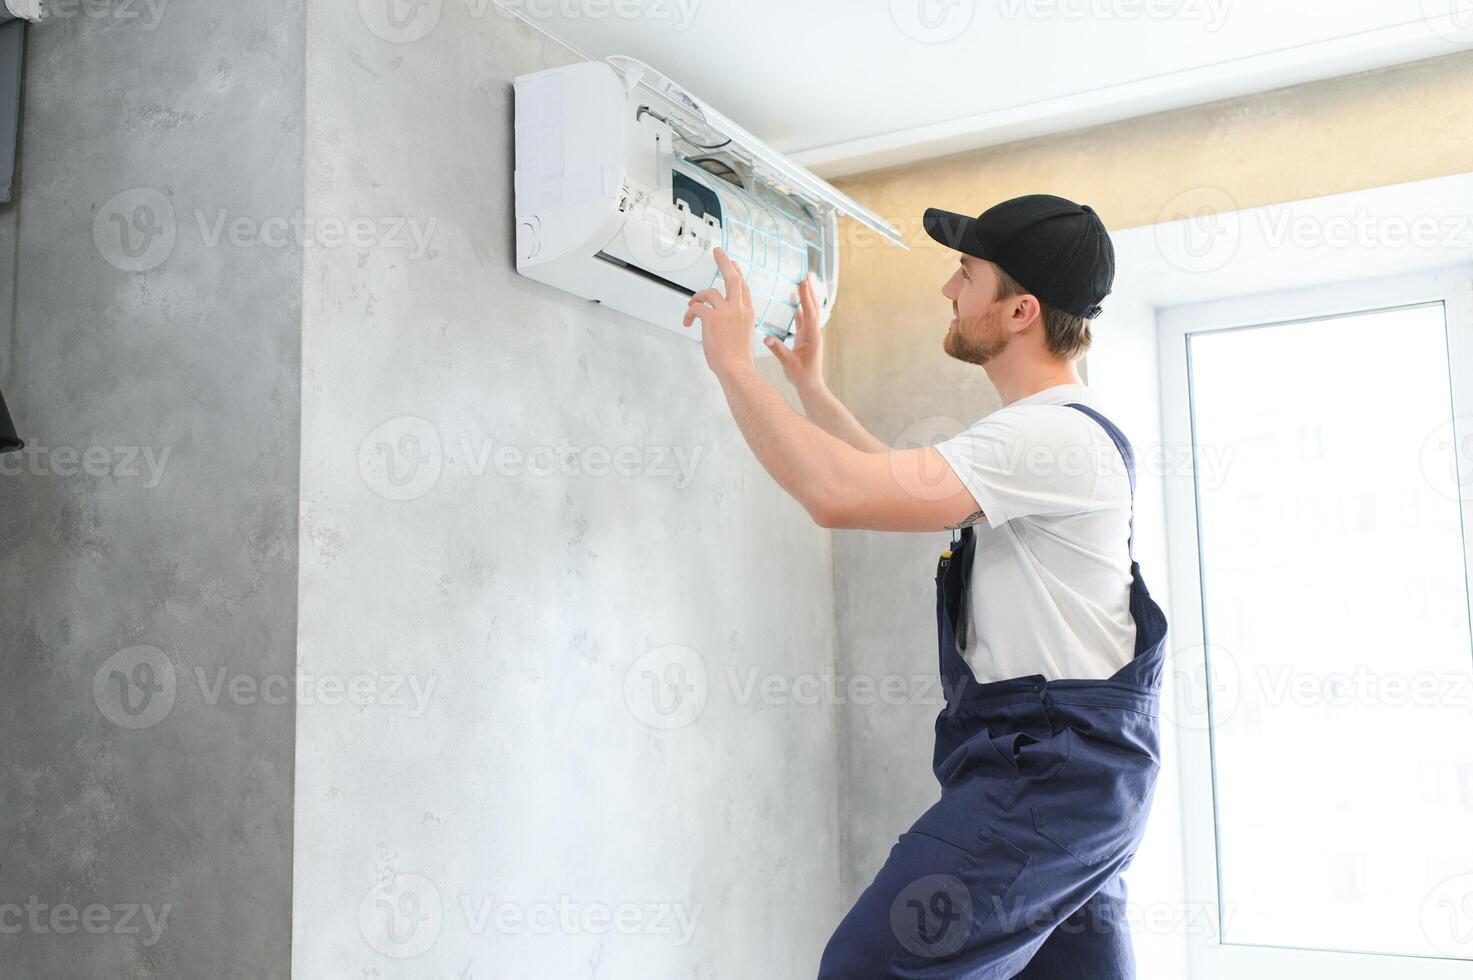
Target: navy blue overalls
<point>1045,789</point>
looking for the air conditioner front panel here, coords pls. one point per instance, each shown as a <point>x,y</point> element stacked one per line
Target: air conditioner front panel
<point>774,239</point>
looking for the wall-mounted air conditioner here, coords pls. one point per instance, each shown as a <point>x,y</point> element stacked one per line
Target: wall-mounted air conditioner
<point>625,182</point>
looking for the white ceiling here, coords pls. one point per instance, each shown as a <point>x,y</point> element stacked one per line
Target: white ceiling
<point>850,85</point>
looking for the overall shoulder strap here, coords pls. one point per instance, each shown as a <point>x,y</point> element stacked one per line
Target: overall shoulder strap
<point>1126,453</point>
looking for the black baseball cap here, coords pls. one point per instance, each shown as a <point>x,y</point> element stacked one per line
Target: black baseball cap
<point>1058,250</point>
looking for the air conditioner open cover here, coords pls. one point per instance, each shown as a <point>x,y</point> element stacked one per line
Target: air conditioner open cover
<point>625,182</point>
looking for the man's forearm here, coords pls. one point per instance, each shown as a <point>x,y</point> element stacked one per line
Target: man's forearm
<point>825,410</point>
<point>804,459</point>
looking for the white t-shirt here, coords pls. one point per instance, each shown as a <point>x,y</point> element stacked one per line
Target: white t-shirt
<point>1051,572</point>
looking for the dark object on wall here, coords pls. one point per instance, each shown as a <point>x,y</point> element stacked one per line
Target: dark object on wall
<point>12,46</point>
<point>9,441</point>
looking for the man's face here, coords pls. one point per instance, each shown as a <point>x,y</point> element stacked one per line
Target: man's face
<point>977,333</point>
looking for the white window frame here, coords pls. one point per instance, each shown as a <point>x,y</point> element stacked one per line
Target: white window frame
<point>1210,958</point>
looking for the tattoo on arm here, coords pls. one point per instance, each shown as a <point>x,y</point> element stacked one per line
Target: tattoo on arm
<point>966,522</point>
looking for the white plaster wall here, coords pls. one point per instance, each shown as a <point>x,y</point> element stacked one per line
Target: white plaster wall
<point>513,809</point>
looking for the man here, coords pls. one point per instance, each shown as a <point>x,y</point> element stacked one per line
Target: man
<point>1050,645</point>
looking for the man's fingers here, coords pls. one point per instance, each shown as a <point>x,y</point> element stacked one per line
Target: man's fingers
<point>737,290</point>
<point>807,306</point>
<point>780,350</point>
<point>728,268</point>
<point>728,271</point>
<point>703,304</point>
<point>736,285</point>
<point>746,291</point>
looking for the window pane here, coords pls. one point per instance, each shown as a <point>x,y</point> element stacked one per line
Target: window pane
<point>1336,613</point>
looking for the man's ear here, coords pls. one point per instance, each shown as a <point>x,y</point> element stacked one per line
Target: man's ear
<point>1024,309</point>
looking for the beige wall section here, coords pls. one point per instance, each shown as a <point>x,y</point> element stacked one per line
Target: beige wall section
<point>1390,126</point>
<point>1384,127</point>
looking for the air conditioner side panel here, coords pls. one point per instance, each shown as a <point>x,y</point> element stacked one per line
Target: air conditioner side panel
<point>570,154</point>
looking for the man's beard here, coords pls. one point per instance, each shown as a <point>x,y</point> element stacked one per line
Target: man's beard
<point>977,342</point>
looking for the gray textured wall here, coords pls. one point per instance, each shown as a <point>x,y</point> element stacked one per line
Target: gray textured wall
<point>616,673</point>
<point>152,526</point>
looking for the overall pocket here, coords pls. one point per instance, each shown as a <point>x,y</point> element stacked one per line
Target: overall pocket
<point>947,880</point>
<point>968,755</point>
<point>1095,799</point>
